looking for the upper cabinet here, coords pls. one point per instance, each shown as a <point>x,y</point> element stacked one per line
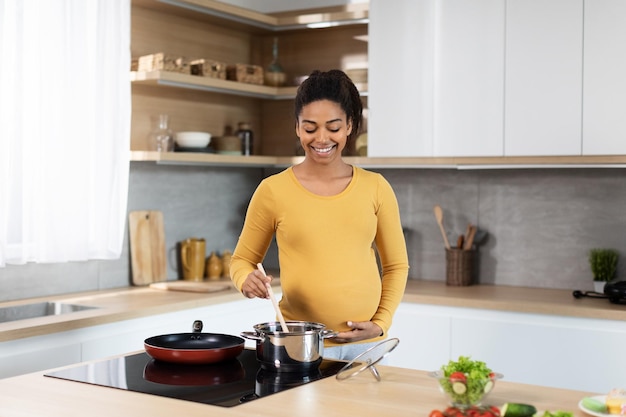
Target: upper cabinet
<point>400,78</point>
<point>468,100</point>
<point>216,31</point>
<point>543,73</point>
<point>501,80</point>
<point>604,82</point>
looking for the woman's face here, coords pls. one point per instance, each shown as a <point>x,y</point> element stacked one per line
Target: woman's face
<point>323,130</point>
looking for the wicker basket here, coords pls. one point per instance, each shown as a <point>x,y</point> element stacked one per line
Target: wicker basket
<point>460,266</point>
<point>251,74</point>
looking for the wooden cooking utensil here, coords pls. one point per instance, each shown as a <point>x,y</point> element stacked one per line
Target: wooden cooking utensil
<point>469,241</point>
<point>439,216</point>
<point>459,241</point>
<point>147,247</point>
<point>283,325</point>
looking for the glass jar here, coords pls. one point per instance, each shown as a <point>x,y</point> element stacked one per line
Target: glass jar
<point>246,137</point>
<point>161,138</point>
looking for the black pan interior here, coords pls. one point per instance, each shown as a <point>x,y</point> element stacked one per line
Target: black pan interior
<point>195,341</point>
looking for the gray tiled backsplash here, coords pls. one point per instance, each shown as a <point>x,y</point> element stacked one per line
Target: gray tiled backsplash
<point>540,223</point>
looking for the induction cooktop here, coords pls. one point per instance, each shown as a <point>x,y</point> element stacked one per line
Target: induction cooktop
<point>224,384</point>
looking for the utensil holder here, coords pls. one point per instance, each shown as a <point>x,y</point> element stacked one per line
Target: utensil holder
<point>460,266</point>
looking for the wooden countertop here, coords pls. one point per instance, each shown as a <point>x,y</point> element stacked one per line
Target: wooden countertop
<point>402,392</point>
<point>135,302</point>
<point>515,299</point>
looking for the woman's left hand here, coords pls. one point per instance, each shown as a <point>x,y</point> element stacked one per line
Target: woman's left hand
<point>360,330</point>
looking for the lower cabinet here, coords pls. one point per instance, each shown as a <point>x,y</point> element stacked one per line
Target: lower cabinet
<point>65,348</point>
<point>424,333</point>
<point>563,352</point>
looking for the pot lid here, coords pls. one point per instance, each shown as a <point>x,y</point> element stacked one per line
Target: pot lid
<point>368,359</point>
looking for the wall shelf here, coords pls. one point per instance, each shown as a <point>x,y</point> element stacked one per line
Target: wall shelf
<point>189,158</point>
<point>216,85</point>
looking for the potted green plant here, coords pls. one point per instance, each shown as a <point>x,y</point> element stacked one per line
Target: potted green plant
<point>603,263</point>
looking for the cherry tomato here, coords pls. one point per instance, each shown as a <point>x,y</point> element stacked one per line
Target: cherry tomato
<point>472,412</point>
<point>458,376</point>
<point>436,413</point>
<point>451,411</point>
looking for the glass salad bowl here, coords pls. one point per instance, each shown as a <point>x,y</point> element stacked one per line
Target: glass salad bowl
<point>462,390</point>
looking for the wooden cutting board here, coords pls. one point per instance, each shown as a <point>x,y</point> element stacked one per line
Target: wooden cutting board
<point>192,286</point>
<point>147,247</point>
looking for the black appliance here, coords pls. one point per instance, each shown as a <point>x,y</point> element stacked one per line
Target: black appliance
<point>224,384</point>
<point>615,291</point>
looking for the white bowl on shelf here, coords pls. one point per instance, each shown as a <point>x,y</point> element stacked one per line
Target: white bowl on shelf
<point>193,139</point>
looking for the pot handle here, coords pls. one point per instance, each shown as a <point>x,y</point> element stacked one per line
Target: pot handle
<point>251,336</point>
<point>328,334</point>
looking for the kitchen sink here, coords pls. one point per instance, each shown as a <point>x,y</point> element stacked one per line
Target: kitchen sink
<point>42,309</point>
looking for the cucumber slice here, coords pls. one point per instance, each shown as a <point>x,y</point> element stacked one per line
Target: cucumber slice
<point>593,404</point>
<point>488,387</point>
<point>459,387</point>
<point>517,410</point>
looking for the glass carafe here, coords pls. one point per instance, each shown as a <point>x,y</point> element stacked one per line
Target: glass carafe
<point>274,74</point>
<point>161,138</point>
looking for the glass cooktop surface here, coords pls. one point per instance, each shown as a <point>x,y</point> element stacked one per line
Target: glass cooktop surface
<point>224,384</point>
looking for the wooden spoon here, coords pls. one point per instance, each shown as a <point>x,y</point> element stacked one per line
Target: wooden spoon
<point>439,216</point>
<point>283,325</point>
<point>469,240</point>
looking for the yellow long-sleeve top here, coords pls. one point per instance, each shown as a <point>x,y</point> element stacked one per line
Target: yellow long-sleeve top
<point>328,268</point>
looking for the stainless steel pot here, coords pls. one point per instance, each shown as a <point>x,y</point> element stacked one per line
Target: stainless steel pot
<point>298,350</point>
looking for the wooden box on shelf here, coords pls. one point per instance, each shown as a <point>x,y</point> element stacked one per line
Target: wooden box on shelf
<point>208,68</point>
<point>163,62</point>
<point>251,74</point>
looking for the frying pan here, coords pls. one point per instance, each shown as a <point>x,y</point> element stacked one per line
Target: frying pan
<point>195,347</point>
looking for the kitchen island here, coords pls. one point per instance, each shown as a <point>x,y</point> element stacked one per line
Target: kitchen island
<point>435,323</point>
<point>401,392</point>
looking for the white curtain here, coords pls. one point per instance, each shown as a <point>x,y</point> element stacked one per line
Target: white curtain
<point>64,129</point>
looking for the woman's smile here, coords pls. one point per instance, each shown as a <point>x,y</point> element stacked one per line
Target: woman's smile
<point>324,150</point>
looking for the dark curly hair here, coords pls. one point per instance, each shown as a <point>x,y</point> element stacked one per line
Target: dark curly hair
<point>336,86</point>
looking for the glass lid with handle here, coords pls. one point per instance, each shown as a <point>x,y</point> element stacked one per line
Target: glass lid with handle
<point>368,360</point>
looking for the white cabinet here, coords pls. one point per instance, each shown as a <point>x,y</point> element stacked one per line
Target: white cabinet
<point>497,78</point>
<point>565,352</point>
<point>400,78</point>
<point>424,333</point>
<point>580,354</point>
<point>65,348</point>
<point>469,78</point>
<point>543,88</point>
<point>604,91</point>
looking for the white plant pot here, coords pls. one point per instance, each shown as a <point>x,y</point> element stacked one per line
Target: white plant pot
<point>598,286</point>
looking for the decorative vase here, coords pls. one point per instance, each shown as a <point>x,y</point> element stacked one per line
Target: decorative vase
<point>226,256</point>
<point>161,138</point>
<point>214,266</point>
<point>274,73</point>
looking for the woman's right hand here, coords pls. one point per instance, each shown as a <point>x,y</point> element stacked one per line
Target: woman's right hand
<point>255,285</point>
